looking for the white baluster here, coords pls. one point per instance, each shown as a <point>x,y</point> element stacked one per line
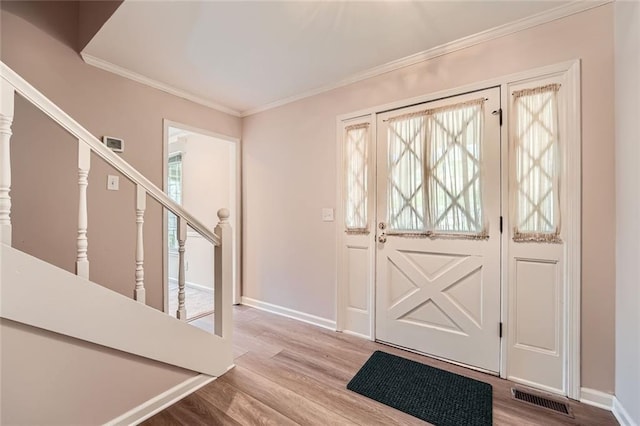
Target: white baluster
<point>84,164</point>
<point>181,313</point>
<point>141,205</point>
<point>223,269</point>
<point>6,119</point>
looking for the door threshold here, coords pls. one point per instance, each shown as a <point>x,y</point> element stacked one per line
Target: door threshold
<point>448,361</point>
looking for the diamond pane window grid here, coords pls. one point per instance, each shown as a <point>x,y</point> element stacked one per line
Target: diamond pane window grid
<point>454,185</point>
<point>406,198</point>
<point>537,162</point>
<point>356,156</point>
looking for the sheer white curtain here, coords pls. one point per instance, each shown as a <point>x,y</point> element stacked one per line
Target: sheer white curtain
<point>454,171</point>
<point>537,163</point>
<point>406,189</point>
<point>434,167</point>
<point>356,172</point>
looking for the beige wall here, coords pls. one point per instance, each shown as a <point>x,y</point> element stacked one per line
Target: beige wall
<point>289,156</point>
<point>91,17</point>
<point>38,42</point>
<point>50,379</point>
<point>628,207</point>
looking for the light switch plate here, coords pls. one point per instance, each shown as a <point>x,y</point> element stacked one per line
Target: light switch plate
<point>113,183</point>
<point>327,215</point>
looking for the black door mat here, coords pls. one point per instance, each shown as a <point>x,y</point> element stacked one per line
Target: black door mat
<point>425,392</point>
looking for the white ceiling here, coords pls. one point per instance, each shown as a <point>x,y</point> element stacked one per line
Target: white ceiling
<point>244,55</point>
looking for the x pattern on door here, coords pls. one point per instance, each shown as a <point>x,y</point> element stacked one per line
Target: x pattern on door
<point>436,287</point>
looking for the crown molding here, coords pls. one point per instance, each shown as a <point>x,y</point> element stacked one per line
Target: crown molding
<point>131,75</point>
<point>550,15</point>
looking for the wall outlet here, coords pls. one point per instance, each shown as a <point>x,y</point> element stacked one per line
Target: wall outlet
<point>327,215</point>
<point>113,183</point>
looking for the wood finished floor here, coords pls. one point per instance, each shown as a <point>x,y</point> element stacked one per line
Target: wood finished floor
<point>288,373</point>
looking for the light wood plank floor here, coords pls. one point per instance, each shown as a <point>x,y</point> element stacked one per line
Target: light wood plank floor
<point>288,372</point>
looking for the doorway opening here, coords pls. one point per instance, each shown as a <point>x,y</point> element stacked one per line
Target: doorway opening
<point>201,172</point>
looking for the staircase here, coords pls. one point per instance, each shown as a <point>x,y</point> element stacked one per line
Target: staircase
<point>39,294</point>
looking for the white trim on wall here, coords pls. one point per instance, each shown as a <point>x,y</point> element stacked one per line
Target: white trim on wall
<point>504,200</point>
<point>139,78</point>
<point>290,313</point>
<point>193,129</point>
<point>622,415</point>
<point>573,260</point>
<point>158,403</point>
<point>596,398</point>
<point>338,293</point>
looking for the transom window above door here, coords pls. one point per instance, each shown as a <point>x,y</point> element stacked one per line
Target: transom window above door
<point>434,170</point>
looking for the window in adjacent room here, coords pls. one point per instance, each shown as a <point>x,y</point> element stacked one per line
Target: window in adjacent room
<point>174,191</point>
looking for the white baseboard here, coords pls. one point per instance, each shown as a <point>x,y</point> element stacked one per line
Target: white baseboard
<point>596,398</point>
<point>621,414</point>
<point>360,335</point>
<point>289,313</point>
<point>192,285</point>
<point>156,404</point>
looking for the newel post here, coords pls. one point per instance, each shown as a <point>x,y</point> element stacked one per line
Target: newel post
<point>6,119</point>
<point>223,268</point>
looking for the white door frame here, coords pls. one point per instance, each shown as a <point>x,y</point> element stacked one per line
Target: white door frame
<point>237,288</point>
<point>573,197</point>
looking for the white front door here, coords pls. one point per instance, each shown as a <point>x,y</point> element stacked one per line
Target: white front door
<point>438,237</point>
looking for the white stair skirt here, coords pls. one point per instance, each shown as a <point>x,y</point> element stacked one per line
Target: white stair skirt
<point>39,294</point>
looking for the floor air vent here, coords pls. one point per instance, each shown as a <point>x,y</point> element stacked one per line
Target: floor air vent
<point>541,401</point>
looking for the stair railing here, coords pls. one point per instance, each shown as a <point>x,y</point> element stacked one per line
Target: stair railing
<point>221,237</point>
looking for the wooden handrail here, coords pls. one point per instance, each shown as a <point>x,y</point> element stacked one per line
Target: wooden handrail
<point>34,96</point>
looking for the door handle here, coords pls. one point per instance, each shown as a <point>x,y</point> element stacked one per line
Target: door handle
<point>382,238</point>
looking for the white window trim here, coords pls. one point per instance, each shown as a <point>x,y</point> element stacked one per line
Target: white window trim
<point>174,251</point>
